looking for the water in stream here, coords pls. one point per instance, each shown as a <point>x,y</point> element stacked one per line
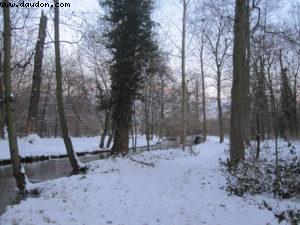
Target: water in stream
<point>37,172</point>
<point>46,170</point>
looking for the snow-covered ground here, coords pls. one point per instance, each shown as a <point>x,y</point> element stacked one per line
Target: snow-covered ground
<point>55,146</point>
<point>175,188</point>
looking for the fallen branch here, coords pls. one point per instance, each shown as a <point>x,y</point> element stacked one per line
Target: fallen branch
<point>143,163</point>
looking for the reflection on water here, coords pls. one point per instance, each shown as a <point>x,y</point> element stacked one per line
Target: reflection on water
<point>46,170</point>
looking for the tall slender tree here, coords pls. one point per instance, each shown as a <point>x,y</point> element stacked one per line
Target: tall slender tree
<point>219,45</point>
<point>18,170</point>
<point>260,102</point>
<point>37,76</point>
<point>183,75</point>
<point>103,97</point>
<point>75,163</point>
<point>203,88</point>
<point>247,107</point>
<point>2,119</point>
<point>130,39</point>
<point>237,148</point>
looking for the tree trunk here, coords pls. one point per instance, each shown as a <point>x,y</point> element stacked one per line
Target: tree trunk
<point>183,78</point>
<point>220,110</point>
<point>132,139</point>
<point>237,148</point>
<point>56,128</point>
<point>2,114</point>
<point>203,89</point>
<point>121,136</point>
<point>147,125</point>
<point>105,130</point>
<point>111,135</point>
<point>37,76</point>
<point>162,107</point>
<point>43,118</point>
<point>18,170</point>
<point>246,122</point>
<point>74,161</point>
<point>197,103</point>
<point>275,128</point>
<point>258,136</point>
<point>135,125</point>
<point>44,109</point>
<point>152,122</point>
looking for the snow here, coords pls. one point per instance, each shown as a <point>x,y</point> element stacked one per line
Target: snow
<point>180,189</point>
<point>33,145</point>
<point>12,96</point>
<point>27,182</point>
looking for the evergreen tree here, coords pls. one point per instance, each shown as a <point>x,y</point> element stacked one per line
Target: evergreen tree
<point>130,39</point>
<point>286,118</point>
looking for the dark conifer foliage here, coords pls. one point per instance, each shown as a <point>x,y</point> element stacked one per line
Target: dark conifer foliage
<point>130,39</point>
<point>287,117</point>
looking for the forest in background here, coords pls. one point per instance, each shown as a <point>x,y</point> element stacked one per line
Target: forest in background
<point>273,65</point>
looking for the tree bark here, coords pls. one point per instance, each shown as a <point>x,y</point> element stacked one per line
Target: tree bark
<point>203,89</point>
<point>183,77</point>
<point>275,123</point>
<point>197,103</point>
<point>246,122</point>
<point>237,148</point>
<point>111,135</point>
<point>162,107</point>
<point>135,125</point>
<point>56,128</point>
<point>43,118</point>
<point>220,110</point>
<point>74,161</point>
<point>45,108</point>
<point>258,136</point>
<point>37,76</point>
<point>2,108</point>
<point>147,125</point>
<point>121,136</point>
<point>105,130</point>
<point>18,170</point>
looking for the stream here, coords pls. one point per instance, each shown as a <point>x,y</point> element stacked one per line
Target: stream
<point>49,170</point>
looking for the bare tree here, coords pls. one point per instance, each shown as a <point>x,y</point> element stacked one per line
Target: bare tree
<point>218,46</point>
<point>247,107</point>
<point>37,76</point>
<point>185,4</point>
<point>75,163</point>
<point>203,88</point>
<point>2,114</point>
<point>18,170</point>
<point>237,148</point>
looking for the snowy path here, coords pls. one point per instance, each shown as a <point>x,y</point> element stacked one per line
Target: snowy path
<point>179,190</point>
